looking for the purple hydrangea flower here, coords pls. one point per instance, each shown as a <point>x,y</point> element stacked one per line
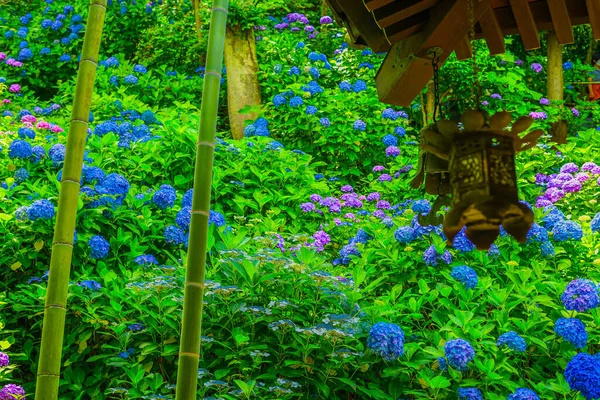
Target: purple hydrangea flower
<point>580,295</point>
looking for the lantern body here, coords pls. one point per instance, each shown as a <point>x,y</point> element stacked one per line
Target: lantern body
<point>481,164</point>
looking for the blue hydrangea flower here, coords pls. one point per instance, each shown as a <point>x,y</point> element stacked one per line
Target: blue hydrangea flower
<point>165,197</point>
<point>279,100</point>
<point>390,140</point>
<point>400,131</point>
<point>314,72</point>
<point>469,394</point>
<point>149,118</point>
<point>537,233</point>
<point>311,110</point>
<point>325,122</point>
<point>389,113</point>
<point>41,209</point>
<point>146,259</point>
<point>462,243</point>
<point>37,152</point>
<point>113,184</point>
<point>466,275</point>
<point>359,125</point>
<point>19,149</point>
<point>595,223</point>
<point>405,234</point>
<point>386,340</point>
<point>459,353</point>
<point>359,86</point>
<point>583,374</point>
<point>131,80</point>
<point>175,235</point>
<point>187,198</point>
<point>91,174</point>
<point>567,230</point>
<point>21,175</point>
<point>274,145</point>
<point>547,249</point>
<point>553,217</point>
<point>140,69</point>
<point>421,207</point>
<point>294,71</point>
<point>296,101</point>
<point>57,154</point>
<point>91,285</point>
<point>524,394</point>
<point>22,213</point>
<point>572,330</point>
<point>99,247</point>
<point>135,327</point>
<point>443,364</point>
<point>580,295</point>
<point>184,217</point>
<point>513,341</point>
<point>216,218</point>
<point>345,86</point>
<point>65,58</point>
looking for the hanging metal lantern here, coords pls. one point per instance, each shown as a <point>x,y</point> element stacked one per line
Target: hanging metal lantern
<point>482,174</point>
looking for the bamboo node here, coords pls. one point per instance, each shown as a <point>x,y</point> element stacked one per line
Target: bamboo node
<point>48,374</point>
<point>62,244</point>
<point>79,120</point>
<point>194,355</point>
<point>213,73</point>
<point>209,144</point>
<point>89,60</point>
<point>59,306</point>
<point>220,9</point>
<point>70,181</point>
<point>200,285</point>
<point>201,212</point>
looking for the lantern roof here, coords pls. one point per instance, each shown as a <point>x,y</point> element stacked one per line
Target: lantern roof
<point>406,29</point>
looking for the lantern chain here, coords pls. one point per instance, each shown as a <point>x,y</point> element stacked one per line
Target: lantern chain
<point>475,86</point>
<point>434,53</point>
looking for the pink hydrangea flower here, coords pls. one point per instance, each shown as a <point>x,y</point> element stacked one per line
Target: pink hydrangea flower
<point>28,118</point>
<point>15,88</point>
<point>56,129</point>
<point>43,125</point>
<point>6,101</point>
<point>2,56</point>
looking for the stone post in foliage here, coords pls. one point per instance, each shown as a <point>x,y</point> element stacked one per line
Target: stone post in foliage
<point>555,85</point>
<point>243,88</point>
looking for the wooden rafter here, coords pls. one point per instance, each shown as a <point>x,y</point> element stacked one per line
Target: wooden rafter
<point>577,11</point>
<point>370,32</point>
<point>407,68</point>
<point>561,21</point>
<point>526,23</point>
<point>593,8</point>
<point>398,11</point>
<point>375,4</point>
<point>463,49</point>
<point>492,32</point>
<point>407,27</point>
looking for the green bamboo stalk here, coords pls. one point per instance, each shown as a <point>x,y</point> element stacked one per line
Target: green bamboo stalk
<point>53,327</point>
<point>193,299</point>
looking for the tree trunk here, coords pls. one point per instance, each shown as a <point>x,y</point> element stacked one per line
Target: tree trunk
<point>53,326</point>
<point>243,88</point>
<point>193,296</point>
<point>324,8</point>
<point>555,85</point>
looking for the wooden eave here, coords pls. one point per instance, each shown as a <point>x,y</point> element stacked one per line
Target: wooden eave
<point>406,29</point>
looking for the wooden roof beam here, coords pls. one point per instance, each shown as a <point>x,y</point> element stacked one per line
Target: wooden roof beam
<point>375,4</point>
<point>561,21</point>
<point>399,11</point>
<point>526,24</point>
<point>593,7</point>
<point>407,68</point>
<point>492,32</point>
<point>354,10</point>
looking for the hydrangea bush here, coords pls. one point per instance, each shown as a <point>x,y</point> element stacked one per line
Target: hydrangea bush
<point>321,282</point>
